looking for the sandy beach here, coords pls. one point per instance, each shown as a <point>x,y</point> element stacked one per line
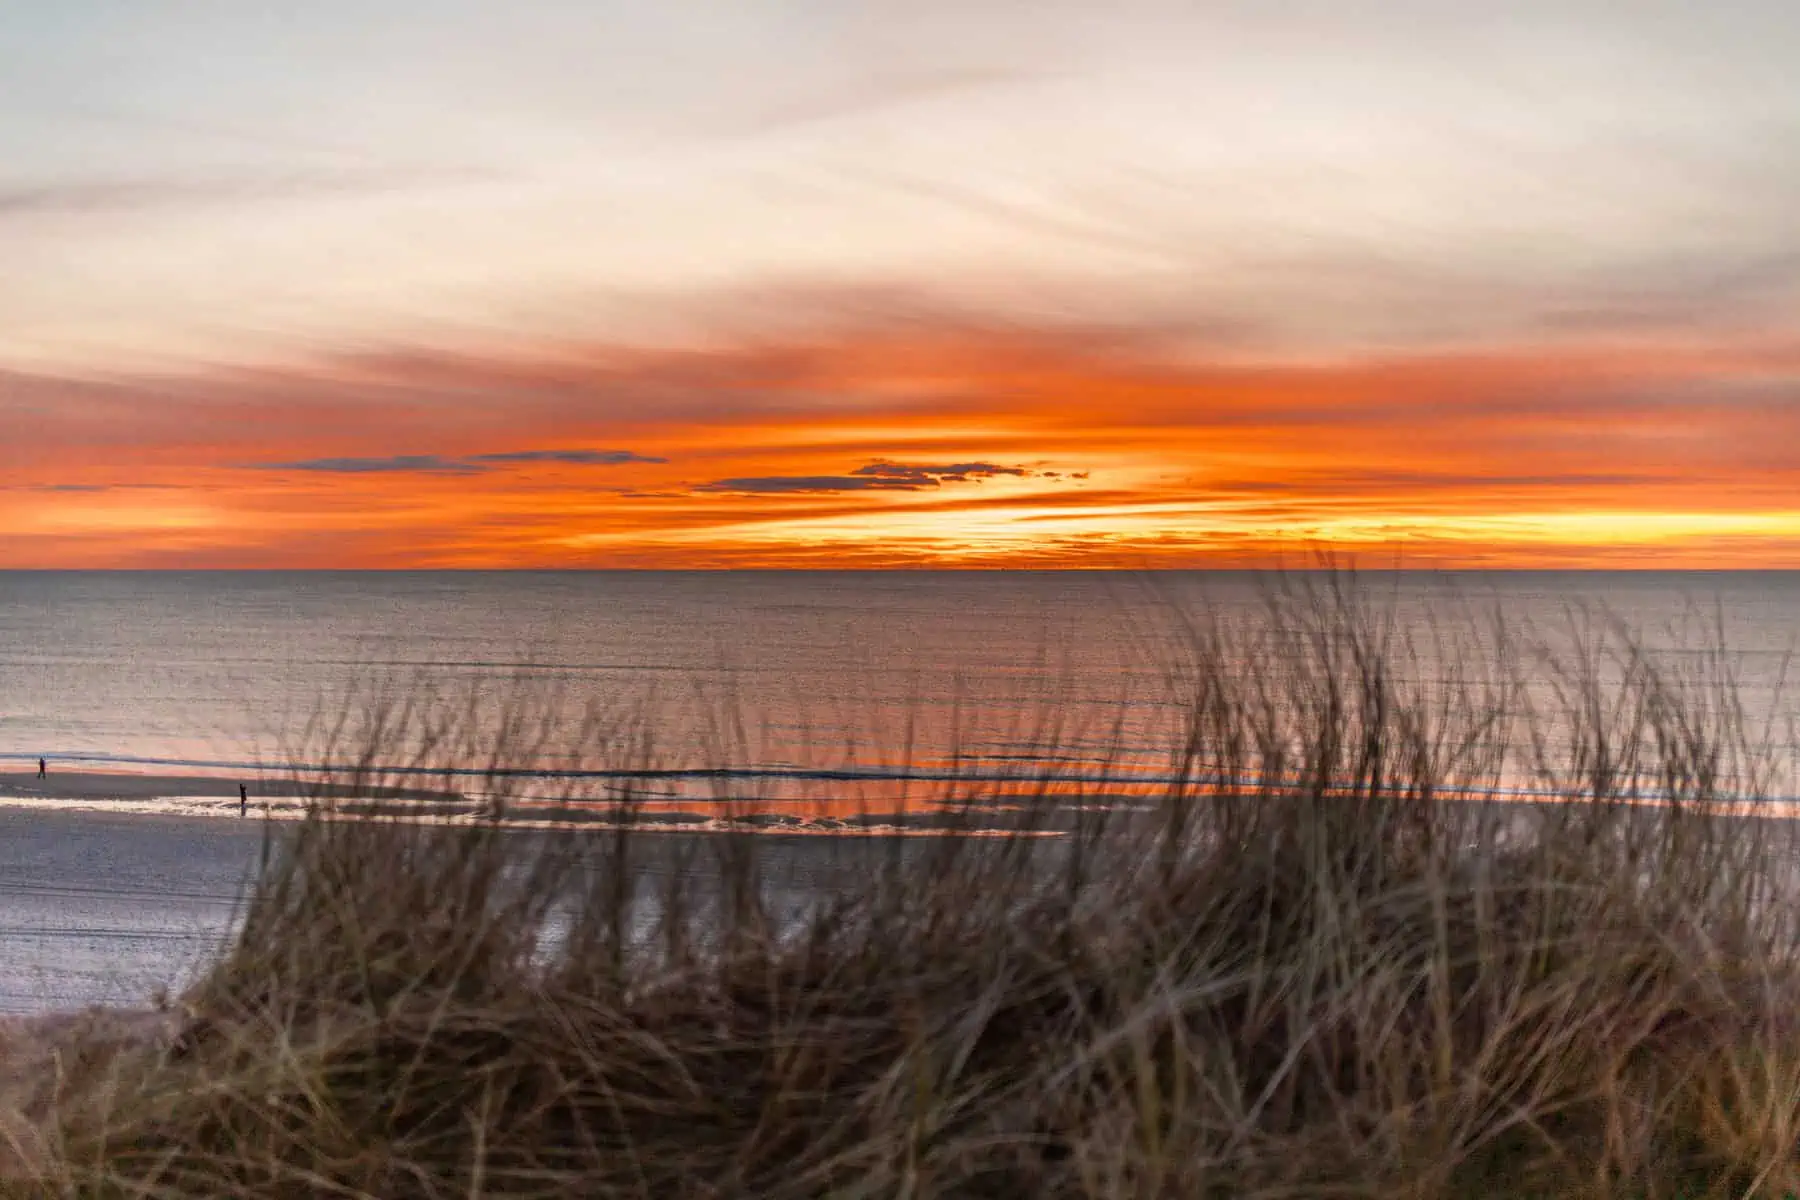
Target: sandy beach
<point>114,885</point>
<point>127,787</point>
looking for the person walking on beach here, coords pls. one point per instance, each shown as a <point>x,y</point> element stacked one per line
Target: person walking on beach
<point>43,771</point>
<point>243,801</point>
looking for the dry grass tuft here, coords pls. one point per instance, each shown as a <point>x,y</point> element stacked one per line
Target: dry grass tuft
<point>1321,967</point>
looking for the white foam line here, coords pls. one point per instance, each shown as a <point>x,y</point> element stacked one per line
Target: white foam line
<point>297,809</point>
<point>150,806</point>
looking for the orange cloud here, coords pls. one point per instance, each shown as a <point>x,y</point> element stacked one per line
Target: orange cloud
<point>913,446</point>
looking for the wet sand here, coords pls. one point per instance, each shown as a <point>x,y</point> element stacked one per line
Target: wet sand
<point>99,907</point>
<point>126,786</point>
<point>102,903</point>
<point>114,885</point>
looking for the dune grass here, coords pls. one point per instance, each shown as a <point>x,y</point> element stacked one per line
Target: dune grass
<point>1319,965</point>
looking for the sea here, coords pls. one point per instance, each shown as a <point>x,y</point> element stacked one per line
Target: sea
<point>823,704</point>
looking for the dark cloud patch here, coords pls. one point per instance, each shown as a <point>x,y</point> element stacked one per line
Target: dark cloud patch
<point>927,476</point>
<point>873,477</point>
<point>764,485</point>
<point>583,458</point>
<point>71,489</point>
<point>405,464</point>
<point>475,464</point>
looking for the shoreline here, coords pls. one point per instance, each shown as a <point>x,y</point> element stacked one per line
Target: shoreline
<point>215,797</point>
<point>135,785</point>
<point>287,797</point>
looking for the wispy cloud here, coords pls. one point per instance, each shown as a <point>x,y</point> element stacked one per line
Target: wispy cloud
<point>874,477</point>
<point>414,464</point>
<point>474,464</point>
<point>78,196</point>
<point>931,476</point>
<point>89,489</point>
<point>871,96</point>
<point>581,458</point>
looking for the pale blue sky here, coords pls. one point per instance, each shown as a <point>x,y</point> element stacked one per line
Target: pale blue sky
<point>191,182</point>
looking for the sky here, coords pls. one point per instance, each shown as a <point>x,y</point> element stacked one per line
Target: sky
<point>390,283</point>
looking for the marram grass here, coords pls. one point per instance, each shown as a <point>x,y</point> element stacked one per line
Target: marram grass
<point>1316,969</point>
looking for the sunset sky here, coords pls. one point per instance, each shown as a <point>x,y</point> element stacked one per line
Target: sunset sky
<point>389,283</point>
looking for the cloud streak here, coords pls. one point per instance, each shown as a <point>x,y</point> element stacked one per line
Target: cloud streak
<point>474,464</point>
<point>873,477</point>
<point>582,458</point>
<point>407,464</point>
<point>874,96</point>
<point>83,196</point>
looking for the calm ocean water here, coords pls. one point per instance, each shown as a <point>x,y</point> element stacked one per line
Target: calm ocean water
<point>825,692</point>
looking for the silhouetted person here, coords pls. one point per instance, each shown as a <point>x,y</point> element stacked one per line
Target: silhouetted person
<point>43,771</point>
<point>243,801</point>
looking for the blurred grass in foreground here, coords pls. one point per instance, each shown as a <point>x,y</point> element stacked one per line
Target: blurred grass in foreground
<point>1318,966</point>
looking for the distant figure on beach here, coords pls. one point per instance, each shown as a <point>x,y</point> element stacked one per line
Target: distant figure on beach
<point>43,771</point>
<point>243,801</point>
